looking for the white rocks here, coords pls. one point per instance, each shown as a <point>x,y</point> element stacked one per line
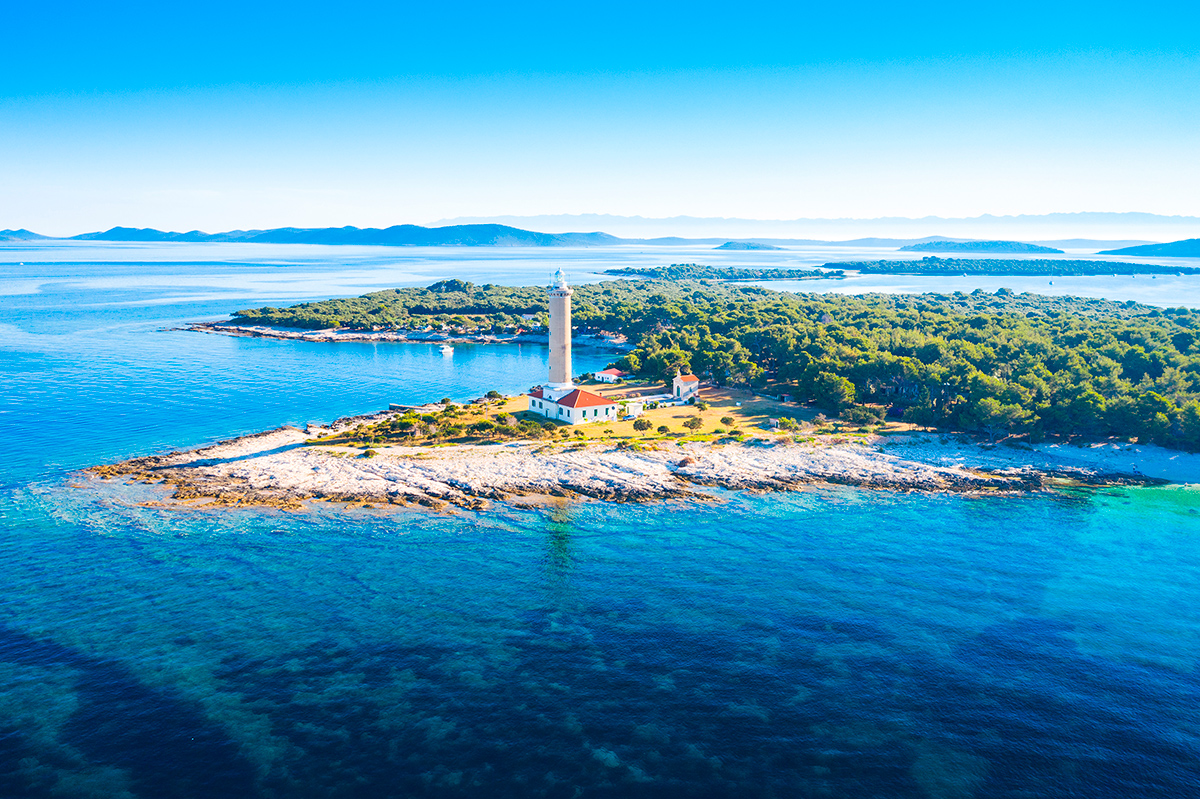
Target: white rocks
<point>276,468</point>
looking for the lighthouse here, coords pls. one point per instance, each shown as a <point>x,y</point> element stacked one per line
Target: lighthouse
<point>560,334</point>
<point>559,399</point>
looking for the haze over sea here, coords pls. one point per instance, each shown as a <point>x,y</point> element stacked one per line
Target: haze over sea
<point>829,642</point>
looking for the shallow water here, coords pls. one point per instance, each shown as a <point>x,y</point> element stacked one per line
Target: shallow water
<point>832,642</point>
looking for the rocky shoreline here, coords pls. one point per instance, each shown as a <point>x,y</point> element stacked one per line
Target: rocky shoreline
<point>614,343</point>
<point>281,468</point>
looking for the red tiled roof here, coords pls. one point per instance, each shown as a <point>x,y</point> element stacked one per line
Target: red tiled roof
<point>537,393</point>
<point>583,399</point>
<point>689,378</point>
<point>614,372</point>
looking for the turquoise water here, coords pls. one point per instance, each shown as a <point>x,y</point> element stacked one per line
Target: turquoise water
<point>831,642</point>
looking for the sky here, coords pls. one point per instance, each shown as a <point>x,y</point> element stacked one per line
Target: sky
<point>217,116</point>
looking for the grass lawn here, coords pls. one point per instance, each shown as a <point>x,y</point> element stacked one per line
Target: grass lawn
<point>749,412</point>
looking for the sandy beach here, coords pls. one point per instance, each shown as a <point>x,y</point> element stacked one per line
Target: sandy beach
<point>281,468</point>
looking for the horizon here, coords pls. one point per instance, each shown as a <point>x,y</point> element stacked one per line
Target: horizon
<point>178,119</point>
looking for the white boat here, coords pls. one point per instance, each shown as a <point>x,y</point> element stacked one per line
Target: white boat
<point>446,349</point>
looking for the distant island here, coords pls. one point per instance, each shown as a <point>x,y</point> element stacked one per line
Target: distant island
<point>746,245</point>
<point>732,273</point>
<point>979,246</point>
<point>1188,248</point>
<point>395,236</point>
<point>932,265</point>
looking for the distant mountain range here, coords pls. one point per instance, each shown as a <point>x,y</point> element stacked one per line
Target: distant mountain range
<point>397,235</point>
<point>1188,248</point>
<point>20,235</point>
<point>979,246</point>
<point>498,235</point>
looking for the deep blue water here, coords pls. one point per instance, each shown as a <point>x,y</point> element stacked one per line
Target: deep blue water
<point>832,642</point>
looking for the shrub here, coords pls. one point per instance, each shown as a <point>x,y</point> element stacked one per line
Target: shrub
<point>727,421</point>
<point>447,401</point>
<point>641,424</point>
<point>492,395</point>
<point>694,423</point>
<point>702,406</point>
<point>662,428</point>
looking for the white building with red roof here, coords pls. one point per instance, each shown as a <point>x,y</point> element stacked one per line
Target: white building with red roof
<point>575,407</point>
<point>611,375</point>
<point>685,387</point>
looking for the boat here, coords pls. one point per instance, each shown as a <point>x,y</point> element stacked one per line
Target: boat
<point>446,349</point>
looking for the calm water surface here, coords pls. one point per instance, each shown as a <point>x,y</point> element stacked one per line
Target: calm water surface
<point>832,642</point>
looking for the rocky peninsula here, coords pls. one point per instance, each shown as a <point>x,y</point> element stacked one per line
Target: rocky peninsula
<point>289,467</point>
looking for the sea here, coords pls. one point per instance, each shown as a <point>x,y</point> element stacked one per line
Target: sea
<point>830,642</point>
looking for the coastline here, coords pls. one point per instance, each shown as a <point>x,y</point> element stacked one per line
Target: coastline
<point>225,328</point>
<point>280,469</point>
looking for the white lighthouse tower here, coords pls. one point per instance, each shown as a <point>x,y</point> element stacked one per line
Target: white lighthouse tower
<point>559,399</point>
<point>560,335</point>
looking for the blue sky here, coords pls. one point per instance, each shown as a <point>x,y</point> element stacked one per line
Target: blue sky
<point>215,116</point>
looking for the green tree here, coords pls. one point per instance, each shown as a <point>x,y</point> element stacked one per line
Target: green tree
<point>641,425</point>
<point>833,392</point>
<point>995,417</point>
